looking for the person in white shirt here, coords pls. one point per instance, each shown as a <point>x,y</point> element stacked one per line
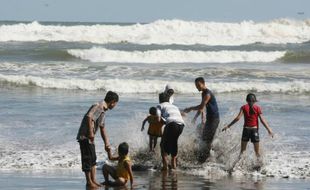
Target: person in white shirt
<point>172,131</point>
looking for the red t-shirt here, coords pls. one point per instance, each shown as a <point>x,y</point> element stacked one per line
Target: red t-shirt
<point>251,120</point>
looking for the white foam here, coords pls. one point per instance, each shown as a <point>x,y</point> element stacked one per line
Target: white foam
<point>165,32</point>
<point>96,54</point>
<point>154,86</point>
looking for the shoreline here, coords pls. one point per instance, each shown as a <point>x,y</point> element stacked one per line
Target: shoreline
<point>74,179</point>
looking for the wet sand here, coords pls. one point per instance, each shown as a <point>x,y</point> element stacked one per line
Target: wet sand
<point>74,179</point>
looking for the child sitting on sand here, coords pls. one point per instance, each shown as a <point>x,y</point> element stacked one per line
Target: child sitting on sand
<point>155,125</point>
<point>123,172</point>
<point>251,113</point>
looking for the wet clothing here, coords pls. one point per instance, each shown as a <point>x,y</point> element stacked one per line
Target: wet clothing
<point>250,133</point>
<point>88,155</point>
<point>170,113</point>
<point>155,126</point>
<point>169,140</point>
<point>251,120</point>
<point>210,129</point>
<point>121,170</point>
<point>97,114</point>
<point>211,107</point>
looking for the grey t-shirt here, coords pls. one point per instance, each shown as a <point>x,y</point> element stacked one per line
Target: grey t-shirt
<point>97,115</point>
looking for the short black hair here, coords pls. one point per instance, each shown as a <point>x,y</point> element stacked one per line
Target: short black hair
<point>153,111</point>
<point>163,98</point>
<point>123,148</point>
<point>111,96</point>
<point>200,79</point>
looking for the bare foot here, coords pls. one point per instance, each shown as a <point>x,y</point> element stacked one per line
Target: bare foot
<point>106,183</point>
<point>92,185</point>
<point>98,184</point>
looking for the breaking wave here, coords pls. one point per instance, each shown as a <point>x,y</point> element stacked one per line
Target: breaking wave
<point>166,32</point>
<point>174,56</point>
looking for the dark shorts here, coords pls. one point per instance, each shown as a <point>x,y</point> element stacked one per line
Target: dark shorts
<point>250,133</point>
<point>88,155</point>
<point>169,140</point>
<point>210,129</point>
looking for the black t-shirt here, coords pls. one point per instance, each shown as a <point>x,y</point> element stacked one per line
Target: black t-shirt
<point>211,106</point>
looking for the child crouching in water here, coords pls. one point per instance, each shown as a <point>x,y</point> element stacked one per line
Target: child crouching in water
<point>123,172</point>
<point>155,127</point>
<point>251,113</point>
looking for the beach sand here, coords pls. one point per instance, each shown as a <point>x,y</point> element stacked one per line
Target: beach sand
<point>74,179</point>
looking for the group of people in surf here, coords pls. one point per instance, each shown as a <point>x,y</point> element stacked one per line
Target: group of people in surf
<point>169,117</point>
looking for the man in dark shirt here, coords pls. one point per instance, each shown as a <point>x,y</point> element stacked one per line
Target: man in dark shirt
<point>93,120</point>
<point>208,100</point>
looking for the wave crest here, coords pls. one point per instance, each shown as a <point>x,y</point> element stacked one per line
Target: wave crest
<point>174,56</point>
<point>165,32</point>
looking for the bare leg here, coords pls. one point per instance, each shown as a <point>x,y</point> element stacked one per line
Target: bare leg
<point>89,181</point>
<point>256,149</point>
<point>151,143</point>
<point>93,176</point>
<point>243,146</point>
<point>118,182</point>
<point>108,170</point>
<point>174,162</point>
<point>164,159</point>
<point>155,142</point>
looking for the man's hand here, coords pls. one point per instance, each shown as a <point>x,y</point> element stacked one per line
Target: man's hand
<point>271,134</point>
<point>186,110</point>
<point>107,148</point>
<point>225,128</point>
<point>91,137</point>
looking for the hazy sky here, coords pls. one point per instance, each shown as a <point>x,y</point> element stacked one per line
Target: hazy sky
<point>147,11</point>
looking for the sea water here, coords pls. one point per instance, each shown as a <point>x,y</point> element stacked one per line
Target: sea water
<point>50,74</point>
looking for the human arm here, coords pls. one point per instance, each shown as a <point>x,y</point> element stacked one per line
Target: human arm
<point>234,121</point>
<point>205,99</point>
<point>91,134</point>
<point>105,138</point>
<point>264,122</point>
<point>129,169</point>
<point>110,156</point>
<point>143,123</point>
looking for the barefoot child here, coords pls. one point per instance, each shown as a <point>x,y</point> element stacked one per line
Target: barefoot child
<point>155,126</point>
<point>251,113</point>
<point>123,171</point>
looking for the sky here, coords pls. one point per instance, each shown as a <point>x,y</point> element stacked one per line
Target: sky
<point>147,11</point>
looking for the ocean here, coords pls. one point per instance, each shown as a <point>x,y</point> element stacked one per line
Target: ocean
<point>51,72</point>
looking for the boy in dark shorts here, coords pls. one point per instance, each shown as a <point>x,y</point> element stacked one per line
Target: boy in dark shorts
<point>208,101</point>
<point>92,121</point>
